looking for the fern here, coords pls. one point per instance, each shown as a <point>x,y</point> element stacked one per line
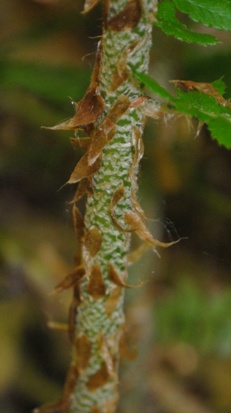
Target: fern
<point>201,100</point>
<point>170,25</point>
<point>211,13</point>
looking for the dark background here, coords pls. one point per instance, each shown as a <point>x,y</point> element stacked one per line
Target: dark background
<point>179,321</point>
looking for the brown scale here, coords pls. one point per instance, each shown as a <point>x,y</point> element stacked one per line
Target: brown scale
<point>116,197</point>
<point>92,241</point>
<point>83,348</point>
<point>122,71</point>
<point>128,18</point>
<point>70,279</point>
<point>116,279</point>
<point>87,112</point>
<point>84,170</point>
<point>119,192</point>
<point>84,188</point>
<point>134,221</point>
<point>98,379</point>
<point>112,300</point>
<point>120,75</point>
<point>106,130</point>
<point>78,222</point>
<point>106,353</point>
<point>137,155</point>
<point>96,287</point>
<point>205,88</point>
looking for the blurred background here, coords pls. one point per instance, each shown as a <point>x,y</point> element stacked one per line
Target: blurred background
<point>179,321</point>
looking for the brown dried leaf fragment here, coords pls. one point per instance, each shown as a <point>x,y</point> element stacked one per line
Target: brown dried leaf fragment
<point>120,75</point>
<point>99,379</point>
<point>77,222</point>
<point>88,5</point>
<point>128,18</point>
<point>112,300</point>
<point>139,149</point>
<point>83,351</point>
<point>87,109</point>
<point>96,287</point>
<point>106,355</point>
<point>84,188</point>
<point>84,170</point>
<point>122,71</point>
<point>205,88</point>
<point>66,125</point>
<point>106,130</point>
<point>70,279</point>
<point>135,222</point>
<point>118,109</point>
<point>116,279</point>
<point>98,142</point>
<point>92,241</point>
<point>96,69</point>
<point>116,197</point>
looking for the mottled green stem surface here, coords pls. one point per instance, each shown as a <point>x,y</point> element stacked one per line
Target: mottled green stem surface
<point>112,116</point>
<point>99,324</point>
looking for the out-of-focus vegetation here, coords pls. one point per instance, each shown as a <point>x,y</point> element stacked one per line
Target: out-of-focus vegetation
<point>179,322</point>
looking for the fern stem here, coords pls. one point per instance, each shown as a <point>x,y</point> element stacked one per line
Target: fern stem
<point>99,323</point>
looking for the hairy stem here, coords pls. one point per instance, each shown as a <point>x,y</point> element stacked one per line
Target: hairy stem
<point>99,323</point>
<point>111,116</point>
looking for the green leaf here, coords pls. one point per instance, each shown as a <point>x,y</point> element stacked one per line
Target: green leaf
<point>153,85</point>
<point>211,109</point>
<point>220,129</point>
<point>212,13</point>
<point>170,25</point>
<point>207,109</point>
<point>219,85</point>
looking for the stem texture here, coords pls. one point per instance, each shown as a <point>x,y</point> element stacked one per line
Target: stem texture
<point>112,116</point>
<point>99,324</point>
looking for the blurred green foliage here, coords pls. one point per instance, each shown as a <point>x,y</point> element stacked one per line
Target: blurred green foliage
<point>196,317</point>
